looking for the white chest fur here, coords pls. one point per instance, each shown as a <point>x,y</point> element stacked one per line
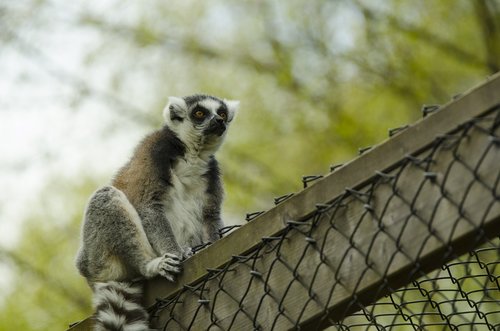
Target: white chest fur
<point>185,201</point>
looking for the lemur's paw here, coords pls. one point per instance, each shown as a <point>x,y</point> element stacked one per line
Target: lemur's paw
<point>187,252</point>
<point>169,265</point>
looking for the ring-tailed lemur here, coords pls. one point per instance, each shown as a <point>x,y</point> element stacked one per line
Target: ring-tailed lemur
<point>164,201</point>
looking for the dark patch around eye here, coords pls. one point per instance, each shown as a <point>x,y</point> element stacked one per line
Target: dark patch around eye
<point>222,111</point>
<point>199,120</point>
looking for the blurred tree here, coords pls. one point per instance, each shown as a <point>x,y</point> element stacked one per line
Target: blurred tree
<point>47,293</point>
<point>317,80</point>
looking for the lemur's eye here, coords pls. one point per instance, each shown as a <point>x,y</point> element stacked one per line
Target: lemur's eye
<point>199,114</point>
<point>223,115</point>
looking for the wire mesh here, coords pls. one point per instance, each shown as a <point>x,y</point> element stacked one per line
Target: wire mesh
<point>375,258</point>
<point>462,295</point>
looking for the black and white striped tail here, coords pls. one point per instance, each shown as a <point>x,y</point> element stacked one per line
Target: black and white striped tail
<point>118,307</point>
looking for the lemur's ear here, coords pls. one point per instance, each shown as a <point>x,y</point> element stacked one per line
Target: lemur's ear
<point>175,110</point>
<point>232,108</point>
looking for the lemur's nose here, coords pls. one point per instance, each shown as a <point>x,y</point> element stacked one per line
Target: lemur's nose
<point>219,119</point>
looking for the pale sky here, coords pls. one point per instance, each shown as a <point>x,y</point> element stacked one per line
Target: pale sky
<point>41,136</point>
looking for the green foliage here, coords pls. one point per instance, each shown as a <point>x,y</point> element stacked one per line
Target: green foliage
<point>47,293</point>
<point>317,80</point>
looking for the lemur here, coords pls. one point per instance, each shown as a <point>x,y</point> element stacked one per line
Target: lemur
<point>164,201</point>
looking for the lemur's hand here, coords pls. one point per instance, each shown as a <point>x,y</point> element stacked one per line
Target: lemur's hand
<point>167,266</point>
<point>171,264</point>
<point>187,252</point>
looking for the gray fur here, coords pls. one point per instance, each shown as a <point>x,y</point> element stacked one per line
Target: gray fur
<point>164,201</point>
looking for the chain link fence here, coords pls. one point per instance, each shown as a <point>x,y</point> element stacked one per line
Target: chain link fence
<point>462,295</point>
<point>377,257</point>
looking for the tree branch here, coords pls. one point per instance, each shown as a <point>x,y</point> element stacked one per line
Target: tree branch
<point>487,16</point>
<point>45,278</point>
<point>424,35</point>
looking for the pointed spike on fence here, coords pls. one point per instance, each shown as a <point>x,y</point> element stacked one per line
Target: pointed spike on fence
<point>296,223</point>
<point>310,240</point>
<point>416,160</point>
<point>250,216</point>
<point>427,109</point>
<point>384,175</point>
<point>198,248</point>
<point>334,167</point>
<point>203,301</point>
<point>397,130</point>
<point>361,151</point>
<point>368,207</point>
<point>430,175</point>
<point>494,140</point>
<point>222,231</point>
<point>310,178</point>
<point>282,198</point>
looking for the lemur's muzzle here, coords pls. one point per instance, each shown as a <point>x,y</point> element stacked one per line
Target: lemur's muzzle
<point>217,126</point>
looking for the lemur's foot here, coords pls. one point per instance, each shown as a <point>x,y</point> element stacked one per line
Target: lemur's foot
<point>167,266</point>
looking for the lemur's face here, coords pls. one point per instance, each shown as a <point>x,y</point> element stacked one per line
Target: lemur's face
<point>200,119</point>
